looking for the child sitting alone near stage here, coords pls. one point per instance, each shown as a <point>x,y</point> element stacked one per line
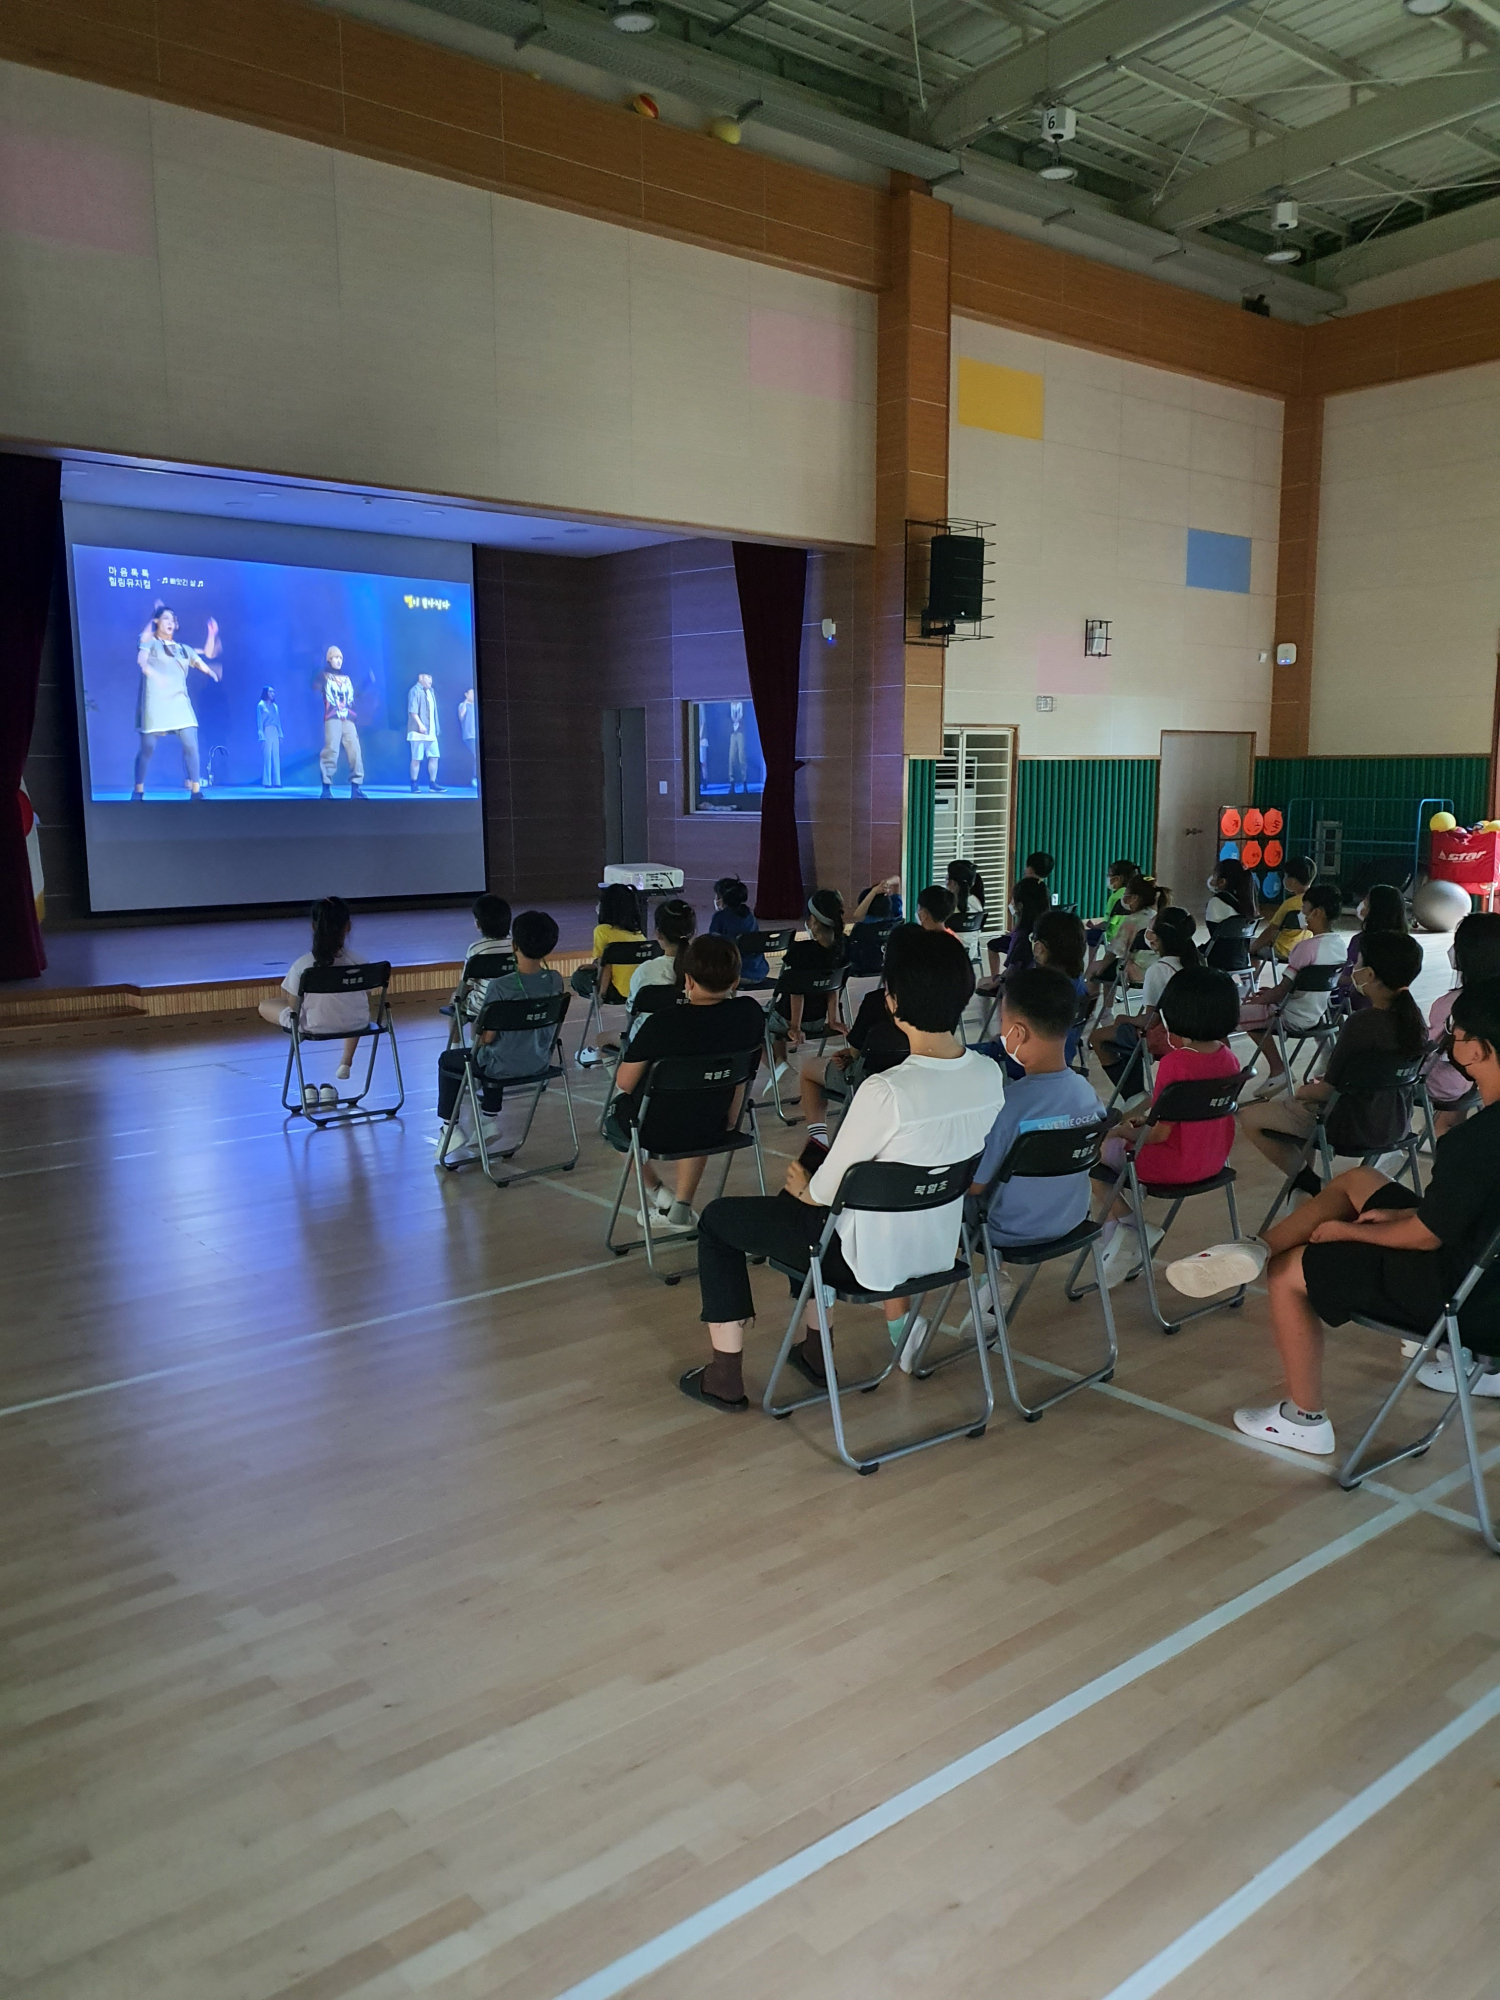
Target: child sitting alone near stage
<point>1200,1010</point>
<point>324,1013</point>
<point>514,1053</point>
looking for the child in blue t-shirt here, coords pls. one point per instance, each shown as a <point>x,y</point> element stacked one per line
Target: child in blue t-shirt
<point>733,918</point>
<point>1037,1012</point>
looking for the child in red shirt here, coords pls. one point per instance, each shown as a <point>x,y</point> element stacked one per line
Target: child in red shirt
<point>1200,1011</point>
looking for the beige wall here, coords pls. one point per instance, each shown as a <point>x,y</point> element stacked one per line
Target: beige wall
<point>1091,521</point>
<point>177,285</point>
<point>1408,608</point>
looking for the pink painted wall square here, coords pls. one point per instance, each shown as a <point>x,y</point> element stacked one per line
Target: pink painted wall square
<point>88,197</point>
<point>1062,668</point>
<point>810,357</point>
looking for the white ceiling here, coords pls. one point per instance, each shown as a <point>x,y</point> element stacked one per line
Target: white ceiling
<point>369,510</point>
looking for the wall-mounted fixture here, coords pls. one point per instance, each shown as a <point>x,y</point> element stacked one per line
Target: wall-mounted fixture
<point>830,630</point>
<point>1096,638</point>
<point>1286,655</point>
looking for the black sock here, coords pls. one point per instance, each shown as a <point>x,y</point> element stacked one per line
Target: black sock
<point>724,1377</point>
<point>1307,1182</point>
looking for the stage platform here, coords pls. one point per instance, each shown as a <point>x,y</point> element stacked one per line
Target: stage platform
<point>119,975</point>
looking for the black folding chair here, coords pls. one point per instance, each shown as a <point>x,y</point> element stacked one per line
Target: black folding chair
<point>1323,1140</point>
<point>1042,1155</point>
<point>486,1094</point>
<point>882,1187</point>
<point>1435,1053</point>
<point>374,979</point>
<point>763,944</point>
<point>653,999</point>
<point>1444,1332</point>
<point>867,941</point>
<point>714,1081</point>
<point>478,971</point>
<point>635,951</point>
<point>1320,1035</point>
<point>810,986</point>
<point>1229,950</point>
<point>1195,1101</point>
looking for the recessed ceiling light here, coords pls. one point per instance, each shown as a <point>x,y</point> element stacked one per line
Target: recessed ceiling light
<point>1058,170</point>
<point>1425,9</point>
<point>635,17</point>
<point>1287,256</point>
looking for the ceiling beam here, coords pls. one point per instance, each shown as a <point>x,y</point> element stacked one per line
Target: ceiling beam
<point>1088,43</point>
<point>1458,230</point>
<point>1253,178</point>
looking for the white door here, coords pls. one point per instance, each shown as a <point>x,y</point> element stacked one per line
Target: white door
<point>973,799</point>
<point>1201,770</point>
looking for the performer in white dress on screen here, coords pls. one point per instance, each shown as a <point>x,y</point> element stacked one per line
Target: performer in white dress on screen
<point>739,763</point>
<point>422,731</point>
<point>268,729</point>
<point>468,721</point>
<point>340,728</point>
<point>162,704</point>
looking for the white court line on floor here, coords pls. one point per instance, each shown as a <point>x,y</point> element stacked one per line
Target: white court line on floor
<point>240,1352</point>
<point>1200,1938</point>
<point>674,1943</point>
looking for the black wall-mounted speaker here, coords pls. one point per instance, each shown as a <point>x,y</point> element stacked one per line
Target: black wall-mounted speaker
<point>955,585</point>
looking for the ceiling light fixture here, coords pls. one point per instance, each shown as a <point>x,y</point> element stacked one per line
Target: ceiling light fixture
<point>1284,256</point>
<point>635,17</point>
<point>1057,169</point>
<point>1425,9</point>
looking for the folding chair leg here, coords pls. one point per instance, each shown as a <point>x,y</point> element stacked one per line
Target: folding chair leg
<point>776,1082</point>
<point>293,1055</point>
<point>1033,1412</point>
<point>1351,1472</point>
<point>768,1401</point>
<point>1284,1193</point>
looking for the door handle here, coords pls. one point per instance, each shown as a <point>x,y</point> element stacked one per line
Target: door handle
<point>1192,829</point>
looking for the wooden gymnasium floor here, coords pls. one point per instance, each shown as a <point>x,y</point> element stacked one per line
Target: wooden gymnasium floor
<point>379,1621</point>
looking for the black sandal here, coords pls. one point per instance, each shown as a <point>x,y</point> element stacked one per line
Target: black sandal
<point>691,1386</point>
<point>802,1362</point>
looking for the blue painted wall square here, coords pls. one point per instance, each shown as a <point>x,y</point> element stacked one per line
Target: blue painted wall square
<point>1218,562</point>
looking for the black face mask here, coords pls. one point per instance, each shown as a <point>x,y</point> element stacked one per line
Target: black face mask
<point>1450,1058</point>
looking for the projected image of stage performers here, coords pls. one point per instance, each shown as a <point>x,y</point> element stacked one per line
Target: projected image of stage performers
<point>422,731</point>
<point>340,726</point>
<point>163,706</point>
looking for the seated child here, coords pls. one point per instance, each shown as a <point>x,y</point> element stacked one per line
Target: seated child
<point>967,884</point>
<point>1474,955</point>
<point>935,907</point>
<point>1285,928</point>
<point>675,925</point>
<point>1138,905</point>
<point>1322,945</point>
<point>875,1043</point>
<point>1199,1009</point>
<point>1372,1046</point>
<point>1060,942</point>
<point>870,925</point>
<point>1029,901</point>
<point>1370,1247</point>
<point>1037,1012</point>
<point>1382,908</point>
<point>619,923</point>
<point>1169,937</point>
<point>515,1053</point>
<point>823,950</point>
<point>733,918</point>
<point>324,1013</point>
<point>1118,877</point>
<point>492,918</point>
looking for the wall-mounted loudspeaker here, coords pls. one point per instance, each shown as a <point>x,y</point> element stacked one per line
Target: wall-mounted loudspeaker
<point>955,581</point>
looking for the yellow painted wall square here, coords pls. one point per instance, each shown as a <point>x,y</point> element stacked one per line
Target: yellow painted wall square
<point>999,399</point>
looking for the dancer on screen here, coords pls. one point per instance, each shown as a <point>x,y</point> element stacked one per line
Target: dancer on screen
<point>422,731</point>
<point>162,704</point>
<point>340,728</point>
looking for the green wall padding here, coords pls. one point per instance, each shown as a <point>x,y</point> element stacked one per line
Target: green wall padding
<point>921,792</point>
<point>1087,811</point>
<point>1375,799</point>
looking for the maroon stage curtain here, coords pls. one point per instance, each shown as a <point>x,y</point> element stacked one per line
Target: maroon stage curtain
<point>772,585</point>
<point>29,490</point>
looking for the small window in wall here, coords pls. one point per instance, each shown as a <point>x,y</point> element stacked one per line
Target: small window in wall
<point>973,806</point>
<point>726,771</point>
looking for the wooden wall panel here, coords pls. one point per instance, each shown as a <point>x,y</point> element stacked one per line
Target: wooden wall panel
<point>1457,329</point>
<point>1297,573</point>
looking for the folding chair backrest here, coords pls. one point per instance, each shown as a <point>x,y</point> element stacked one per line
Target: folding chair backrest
<point>345,978</point>
<point>894,1188</point>
<point>1052,1151</point>
<point>867,942</point>
<point>766,944</point>
<point>1197,1099</point>
<point>634,951</point>
<point>486,965</point>
<point>712,1080</point>
<point>806,984</point>
<point>511,1017</point>
<point>1315,978</point>
<point>967,924</point>
<point>1229,943</point>
<point>655,999</point>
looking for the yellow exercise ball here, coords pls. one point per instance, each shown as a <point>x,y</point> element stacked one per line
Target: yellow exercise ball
<point>726,129</point>
<point>1441,823</point>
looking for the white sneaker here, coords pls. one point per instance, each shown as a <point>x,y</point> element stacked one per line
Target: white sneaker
<point>587,1058</point>
<point>1219,1269</point>
<point>309,1097</point>
<point>778,1072</point>
<point>1275,1428</point>
<point>461,1155</point>
<point>327,1096</point>
<point>1122,1255</point>
<point>1438,1374</point>
<point>661,1218</point>
<point>1273,1086</point>
<point>344,1073</point>
<point>911,1347</point>
<point>1008,1289</point>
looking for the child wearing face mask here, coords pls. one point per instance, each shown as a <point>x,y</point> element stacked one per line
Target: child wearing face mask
<point>1474,955</point>
<point>1036,1017</point>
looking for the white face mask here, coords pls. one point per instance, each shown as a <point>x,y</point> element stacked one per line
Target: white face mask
<point>1213,883</point>
<point>1453,957</point>
<point>1005,1044</point>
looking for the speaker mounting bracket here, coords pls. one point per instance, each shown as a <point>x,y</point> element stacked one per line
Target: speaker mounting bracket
<point>948,597</point>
